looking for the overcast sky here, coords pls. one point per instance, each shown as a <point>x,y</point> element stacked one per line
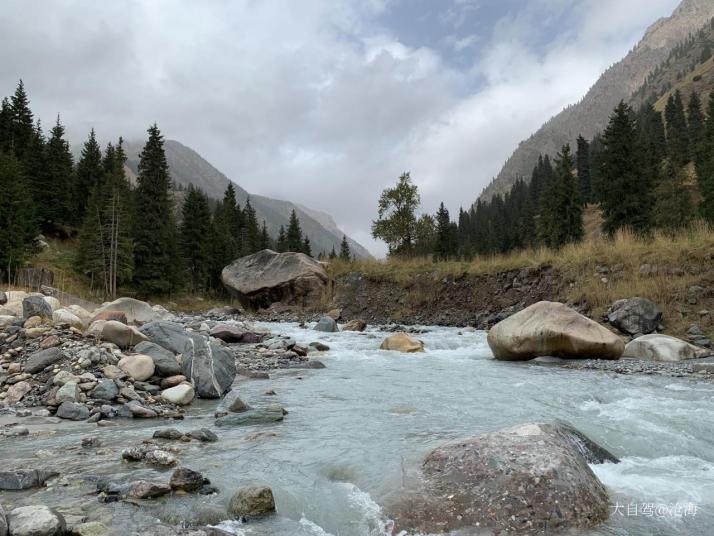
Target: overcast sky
<point>322,102</point>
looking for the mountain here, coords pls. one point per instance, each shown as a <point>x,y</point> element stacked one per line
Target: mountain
<point>189,167</point>
<point>619,82</point>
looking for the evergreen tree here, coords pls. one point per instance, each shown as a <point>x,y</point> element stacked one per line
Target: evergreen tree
<point>561,214</point>
<point>250,231</point>
<point>425,235</point>
<point>396,223</point>
<point>282,242</point>
<point>444,245</point>
<point>54,199</point>
<point>695,126</point>
<point>624,190</point>
<point>155,240</point>
<point>293,237</point>
<point>582,159</point>
<point>265,242</point>
<point>705,165</point>
<point>333,254</point>
<point>18,227</point>
<point>22,123</point>
<point>194,233</point>
<point>674,206</point>
<point>677,135</point>
<point>306,247</point>
<point>345,253</point>
<point>90,171</point>
<point>5,126</point>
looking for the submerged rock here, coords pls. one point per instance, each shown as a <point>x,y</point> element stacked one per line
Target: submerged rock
<point>662,348</point>
<point>635,316</point>
<point>263,415</point>
<point>552,329</point>
<point>24,479</point>
<point>252,501</point>
<point>526,479</point>
<point>401,342</point>
<point>37,520</point>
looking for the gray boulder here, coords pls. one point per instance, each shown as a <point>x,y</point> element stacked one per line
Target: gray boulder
<point>105,390</point>
<point>165,361</point>
<point>42,359</point>
<point>657,347</point>
<point>635,316</point>
<point>533,478</point>
<point>36,520</point>
<point>267,277</point>
<point>36,306</point>
<point>73,411</point>
<point>252,501</point>
<point>167,334</point>
<point>24,479</point>
<point>326,324</point>
<point>136,311</point>
<point>210,367</point>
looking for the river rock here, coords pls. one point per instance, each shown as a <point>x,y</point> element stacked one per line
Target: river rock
<point>320,347</point>
<point>526,479</point>
<point>635,316</point>
<point>140,367</point>
<point>91,528</point>
<point>173,381</point>
<point>144,489</point>
<point>252,501</point>
<point>36,306</point>
<point>118,316</point>
<point>32,322</point>
<point>326,324</point>
<point>203,435</point>
<point>139,411</point>
<point>167,334</point>
<point>24,479</point>
<point>36,520</point>
<point>120,334</point>
<point>267,277</point>
<point>210,367</point>
<point>105,390</point>
<point>165,361</point>
<point>42,359</point>
<point>16,392</point>
<point>552,329</point>
<point>12,308</point>
<point>81,313</point>
<point>401,342</point>
<point>69,392</point>
<point>355,325</point>
<point>6,320</point>
<point>136,311</point>
<point>65,317</point>
<point>184,479</point>
<point>263,415</point>
<point>238,406</point>
<point>181,394</point>
<point>656,347</point>
<point>160,457</point>
<point>72,411</point>
<point>228,333</point>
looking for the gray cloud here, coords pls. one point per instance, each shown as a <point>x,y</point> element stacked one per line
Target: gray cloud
<point>317,101</point>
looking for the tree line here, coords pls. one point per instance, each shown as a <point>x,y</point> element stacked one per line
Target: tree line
<point>645,171</point>
<point>133,237</point>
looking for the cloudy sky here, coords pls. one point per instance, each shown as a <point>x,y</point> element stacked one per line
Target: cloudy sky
<point>323,102</point>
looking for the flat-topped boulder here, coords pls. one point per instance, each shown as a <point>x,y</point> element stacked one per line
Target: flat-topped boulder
<point>529,479</point>
<point>267,277</point>
<point>552,329</point>
<point>662,348</point>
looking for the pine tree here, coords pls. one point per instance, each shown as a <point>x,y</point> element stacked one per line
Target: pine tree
<point>5,125</point>
<point>55,198</point>
<point>444,247</point>
<point>705,165</point>
<point>193,239</point>
<point>624,191</point>
<point>333,254</point>
<point>677,135</point>
<point>90,171</point>
<point>582,159</point>
<point>345,253</point>
<point>18,227</point>
<point>674,207</point>
<point>155,240</point>
<point>695,126</point>
<point>250,235</point>
<point>282,242</point>
<point>265,241</point>
<point>561,214</point>
<point>293,237</point>
<point>22,123</point>
<point>306,247</point>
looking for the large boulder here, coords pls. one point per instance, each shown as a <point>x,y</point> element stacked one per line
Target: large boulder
<point>65,317</point>
<point>401,342</point>
<point>210,367</point>
<point>662,348</point>
<point>140,367</point>
<point>36,306</point>
<point>552,329</point>
<point>635,316</point>
<point>36,520</point>
<point>12,308</point>
<point>533,478</point>
<point>252,501</point>
<point>167,334</point>
<point>326,324</point>
<point>267,277</point>
<point>164,360</point>
<point>136,311</point>
<point>120,334</point>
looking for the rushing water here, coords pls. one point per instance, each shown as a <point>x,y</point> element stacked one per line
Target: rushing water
<point>356,428</point>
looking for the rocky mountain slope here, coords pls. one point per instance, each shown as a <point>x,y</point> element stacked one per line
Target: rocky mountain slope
<point>189,167</point>
<point>619,82</point>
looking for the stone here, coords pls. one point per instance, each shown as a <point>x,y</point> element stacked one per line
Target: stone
<point>16,392</point>
<point>105,390</point>
<point>552,329</point>
<point>34,333</point>
<point>112,372</point>
<point>267,277</point>
<point>35,520</point>
<point>81,313</point>
<point>118,316</point>
<point>263,415</point>
<point>635,316</point>
<point>63,377</point>
<point>69,392</point>
<point>136,311</point>
<point>53,302</point>
<point>32,322</point>
<point>168,433</point>
<point>160,457</point>
<point>49,342</point>
<point>401,342</point>
<point>36,306</point>
<point>65,317</point>
<point>12,308</point>
<point>704,365</point>
<point>92,528</point>
<point>253,374</point>
<point>532,478</point>
<point>320,347</point>
<point>144,489</point>
<point>139,411</point>
<point>172,381</point>
<point>252,501</point>
<point>181,394</point>
<point>229,333</point>
<point>24,479</point>
<point>140,367</point>
<point>299,350</point>
<point>657,347</point>
<point>238,406</point>
<point>326,324</point>
<point>72,411</point>
<point>210,367</point>
<point>169,335</point>
<point>355,325</point>
<point>6,320</point>
<point>3,298</point>
<point>43,359</point>
<point>165,361</point>
<point>184,479</point>
<point>335,314</point>
<point>120,334</point>
<point>204,435</point>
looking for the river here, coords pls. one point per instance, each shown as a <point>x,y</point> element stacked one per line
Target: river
<point>356,429</point>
